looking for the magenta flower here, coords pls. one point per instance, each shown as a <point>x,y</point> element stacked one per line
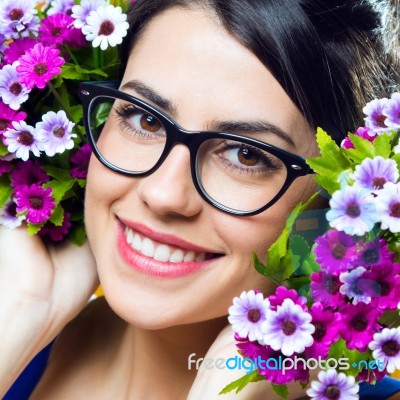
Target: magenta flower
<point>12,91</point>
<point>247,314</point>
<point>28,173</point>
<point>57,233</point>
<point>372,174</point>
<point>334,251</point>
<point>271,371</point>
<point>332,385</point>
<point>325,288</point>
<point>371,375</point>
<point>352,210</point>
<point>388,206</point>
<point>371,253</point>
<point>385,277</point>
<point>56,29</point>
<point>360,322</point>
<point>392,111</point>
<point>363,132</point>
<point>21,140</point>
<point>357,286</point>
<point>327,328</point>
<point>17,48</point>
<point>386,348</point>
<point>375,119</point>
<point>81,159</point>
<point>288,329</point>
<point>36,201</point>
<point>282,293</point>
<point>39,65</point>
<point>54,133</point>
<point>5,167</point>
<point>8,116</point>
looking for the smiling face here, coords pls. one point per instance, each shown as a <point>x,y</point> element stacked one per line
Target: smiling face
<point>166,257</point>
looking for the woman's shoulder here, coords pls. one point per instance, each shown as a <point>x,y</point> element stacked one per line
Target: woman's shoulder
<point>81,352</point>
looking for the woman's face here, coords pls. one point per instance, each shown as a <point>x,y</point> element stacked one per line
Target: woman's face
<point>206,76</point>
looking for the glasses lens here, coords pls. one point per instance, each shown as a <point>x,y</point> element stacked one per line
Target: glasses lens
<point>126,135</point>
<point>239,176</point>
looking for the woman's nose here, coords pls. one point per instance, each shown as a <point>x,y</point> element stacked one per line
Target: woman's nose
<point>170,189</point>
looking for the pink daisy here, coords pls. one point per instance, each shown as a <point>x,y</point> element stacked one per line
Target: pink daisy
<point>17,48</point>
<point>56,29</point>
<point>36,201</point>
<point>8,116</point>
<point>39,65</point>
<point>28,173</point>
<point>282,293</point>
<point>325,288</point>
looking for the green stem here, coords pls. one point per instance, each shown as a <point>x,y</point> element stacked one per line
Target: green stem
<point>63,106</point>
<point>96,57</point>
<point>102,60</point>
<point>73,58</point>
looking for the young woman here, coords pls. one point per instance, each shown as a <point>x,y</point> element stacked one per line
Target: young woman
<point>195,168</point>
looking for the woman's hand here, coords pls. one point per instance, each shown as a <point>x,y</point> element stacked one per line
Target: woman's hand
<point>41,289</point>
<point>210,381</point>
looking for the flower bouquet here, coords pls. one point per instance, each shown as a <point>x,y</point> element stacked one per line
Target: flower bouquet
<point>46,49</point>
<point>335,308</point>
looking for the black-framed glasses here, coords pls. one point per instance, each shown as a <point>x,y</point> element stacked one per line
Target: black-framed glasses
<point>236,174</point>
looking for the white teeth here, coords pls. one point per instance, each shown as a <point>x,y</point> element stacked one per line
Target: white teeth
<point>161,252</point>
<point>147,247</point>
<point>137,242</point>
<point>201,257</point>
<point>189,256</point>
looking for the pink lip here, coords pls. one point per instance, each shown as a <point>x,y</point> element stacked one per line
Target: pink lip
<point>148,265</point>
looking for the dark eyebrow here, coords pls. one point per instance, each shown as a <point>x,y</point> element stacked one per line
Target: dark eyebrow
<point>151,95</point>
<point>252,127</point>
<point>222,126</point>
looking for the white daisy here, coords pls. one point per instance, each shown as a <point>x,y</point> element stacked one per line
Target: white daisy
<point>81,11</point>
<point>106,26</point>
<point>386,348</point>
<point>12,91</point>
<point>388,206</point>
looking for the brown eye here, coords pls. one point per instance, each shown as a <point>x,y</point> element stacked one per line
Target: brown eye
<point>150,123</point>
<point>248,157</point>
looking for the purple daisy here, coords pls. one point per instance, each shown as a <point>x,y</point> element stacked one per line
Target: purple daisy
<point>386,348</point>
<point>388,207</point>
<point>5,167</point>
<point>371,253</point>
<point>385,277</point>
<point>8,116</point>
<point>56,29</point>
<point>270,370</point>
<point>247,314</point>
<point>54,133</point>
<point>17,48</point>
<point>352,210</point>
<point>392,111</point>
<point>327,328</point>
<point>12,91</point>
<point>57,233</point>
<point>288,329</point>
<point>325,288</point>
<point>373,173</point>
<point>39,65</point>
<point>21,140</point>
<point>334,251</point>
<point>81,159</point>
<point>9,217</point>
<point>357,287</point>
<point>360,322</point>
<point>333,386</point>
<point>81,12</point>
<point>15,15</point>
<point>282,293</point>
<point>36,201</point>
<point>28,173</point>
<point>375,119</point>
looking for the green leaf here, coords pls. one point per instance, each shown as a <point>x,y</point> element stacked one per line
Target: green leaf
<point>57,173</point>
<point>299,246</point>
<point>280,390</point>
<point>33,229</point>
<point>5,190</point>
<point>60,188</point>
<point>57,217</point>
<point>242,382</point>
<point>363,149</point>
<point>383,145</point>
<point>76,112</point>
<point>78,235</point>
<point>3,150</point>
